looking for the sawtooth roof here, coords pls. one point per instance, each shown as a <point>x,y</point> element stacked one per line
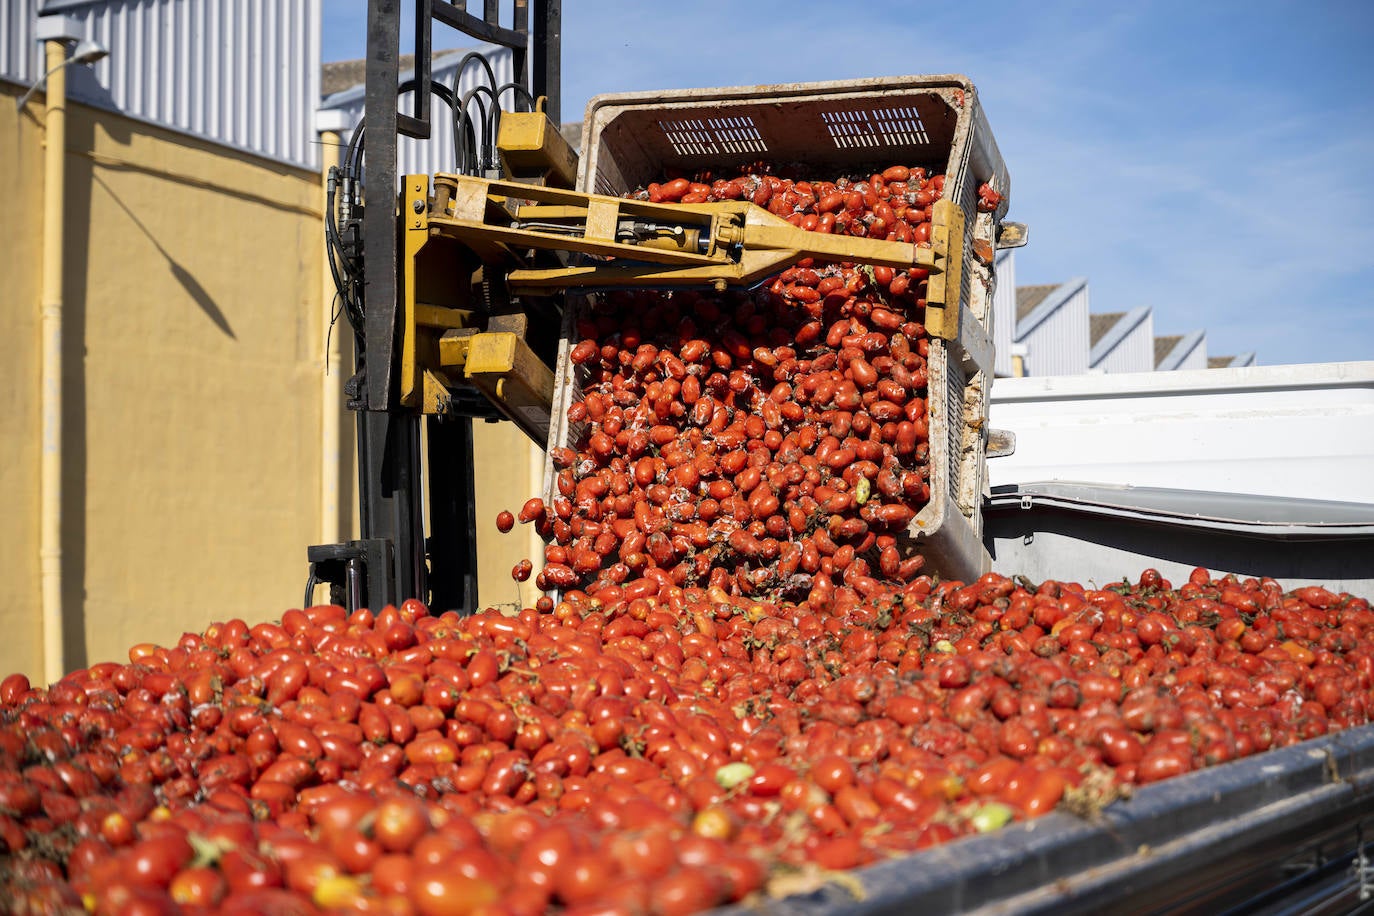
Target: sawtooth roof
<point>1164,346</point>
<point>1028,297</point>
<point>1099,325</point>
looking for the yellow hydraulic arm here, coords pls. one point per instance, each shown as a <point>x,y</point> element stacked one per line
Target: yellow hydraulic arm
<point>655,245</point>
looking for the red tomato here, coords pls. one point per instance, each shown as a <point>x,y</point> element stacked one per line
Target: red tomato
<point>399,822</point>
<point>685,891</point>
<point>832,773</point>
<point>199,886</point>
<point>438,891</point>
<point>152,862</point>
<point>13,688</point>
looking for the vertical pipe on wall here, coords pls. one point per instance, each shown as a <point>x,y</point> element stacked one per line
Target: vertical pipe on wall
<point>50,312</point>
<point>331,401</point>
<point>330,124</point>
<point>537,485</point>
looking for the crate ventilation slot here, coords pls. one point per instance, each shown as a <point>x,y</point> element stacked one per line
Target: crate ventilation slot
<point>875,127</point>
<point>714,136</point>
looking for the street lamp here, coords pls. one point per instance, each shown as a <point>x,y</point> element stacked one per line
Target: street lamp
<point>87,51</point>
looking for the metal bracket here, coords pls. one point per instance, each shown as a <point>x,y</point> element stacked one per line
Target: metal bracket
<point>344,567</point>
<point>58,27</point>
<point>1012,235</point>
<point>1362,868</point>
<point>973,340</point>
<point>532,149</point>
<point>1001,443</point>
<point>502,366</point>
<point>943,308</point>
<point>415,220</point>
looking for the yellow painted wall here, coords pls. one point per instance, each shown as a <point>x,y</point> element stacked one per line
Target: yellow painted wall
<point>191,364</point>
<point>509,471</point>
<point>193,354</point>
<point>21,189</point>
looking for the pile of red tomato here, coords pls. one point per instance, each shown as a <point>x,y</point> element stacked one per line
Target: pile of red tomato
<point>656,754</point>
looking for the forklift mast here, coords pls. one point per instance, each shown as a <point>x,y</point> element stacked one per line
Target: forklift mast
<point>392,562</point>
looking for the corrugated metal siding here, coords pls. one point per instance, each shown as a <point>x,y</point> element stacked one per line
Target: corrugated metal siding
<point>244,73</point>
<point>1059,345</point>
<point>1004,312</point>
<point>19,53</point>
<point>1135,352</point>
<point>1196,357</point>
<point>424,157</point>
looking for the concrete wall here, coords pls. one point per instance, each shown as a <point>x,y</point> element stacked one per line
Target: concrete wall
<point>191,393</point>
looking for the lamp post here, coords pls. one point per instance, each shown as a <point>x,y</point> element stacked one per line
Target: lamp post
<point>87,51</point>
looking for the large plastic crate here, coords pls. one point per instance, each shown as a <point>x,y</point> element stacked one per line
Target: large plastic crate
<point>829,129</point>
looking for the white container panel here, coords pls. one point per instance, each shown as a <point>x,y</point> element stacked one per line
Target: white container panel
<point>1303,431</point>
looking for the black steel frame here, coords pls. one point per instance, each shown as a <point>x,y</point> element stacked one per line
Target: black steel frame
<point>392,485</point>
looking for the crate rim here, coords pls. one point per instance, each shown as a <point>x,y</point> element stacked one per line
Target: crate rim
<point>765,92</point>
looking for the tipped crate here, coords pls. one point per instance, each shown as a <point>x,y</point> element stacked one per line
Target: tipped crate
<point>830,129</point>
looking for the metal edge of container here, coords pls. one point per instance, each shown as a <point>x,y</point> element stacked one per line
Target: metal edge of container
<point>1172,844</point>
<point>1100,533</point>
<point>563,392</point>
<point>1240,514</point>
<point>949,533</point>
<point>1151,385</point>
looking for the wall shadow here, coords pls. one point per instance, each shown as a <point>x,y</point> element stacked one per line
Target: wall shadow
<point>76,241</point>
<point>198,293</point>
<point>81,180</point>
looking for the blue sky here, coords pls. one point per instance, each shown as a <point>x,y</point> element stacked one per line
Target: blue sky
<point>1213,160</point>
